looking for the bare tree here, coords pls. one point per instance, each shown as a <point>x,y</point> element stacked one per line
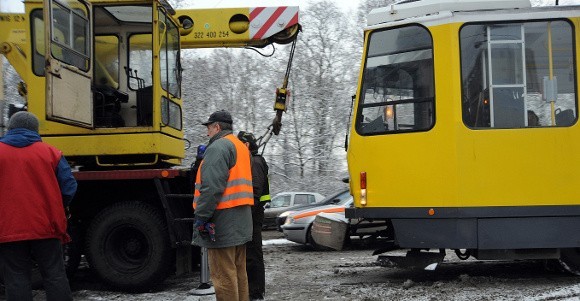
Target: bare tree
<point>308,154</point>
<point>322,80</point>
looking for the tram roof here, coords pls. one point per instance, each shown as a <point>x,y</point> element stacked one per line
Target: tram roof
<point>417,8</point>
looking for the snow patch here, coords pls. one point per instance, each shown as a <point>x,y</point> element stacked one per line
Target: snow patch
<point>279,241</point>
<point>562,293</point>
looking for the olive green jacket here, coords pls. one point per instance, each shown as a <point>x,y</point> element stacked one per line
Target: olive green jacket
<point>233,226</point>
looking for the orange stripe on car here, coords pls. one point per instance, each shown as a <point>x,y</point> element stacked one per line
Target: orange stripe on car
<point>311,213</point>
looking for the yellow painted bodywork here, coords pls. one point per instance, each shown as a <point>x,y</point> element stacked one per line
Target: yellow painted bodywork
<point>213,27</point>
<point>454,166</point>
<point>77,141</point>
<point>228,27</point>
<point>13,40</point>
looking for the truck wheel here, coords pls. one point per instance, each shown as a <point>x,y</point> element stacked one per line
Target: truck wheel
<point>570,260</point>
<point>128,246</point>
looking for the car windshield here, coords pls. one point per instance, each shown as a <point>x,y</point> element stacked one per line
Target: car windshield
<point>281,201</point>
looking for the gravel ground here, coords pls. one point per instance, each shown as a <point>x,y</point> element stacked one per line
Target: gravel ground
<point>296,272</point>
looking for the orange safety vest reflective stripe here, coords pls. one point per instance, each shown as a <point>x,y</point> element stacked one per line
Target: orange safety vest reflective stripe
<point>239,190</point>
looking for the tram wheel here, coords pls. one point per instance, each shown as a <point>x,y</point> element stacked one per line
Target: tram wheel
<point>570,260</point>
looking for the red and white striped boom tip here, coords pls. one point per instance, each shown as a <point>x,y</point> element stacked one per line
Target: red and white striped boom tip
<point>267,21</point>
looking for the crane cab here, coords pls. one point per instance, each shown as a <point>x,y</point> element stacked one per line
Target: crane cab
<point>104,76</point>
<point>104,79</point>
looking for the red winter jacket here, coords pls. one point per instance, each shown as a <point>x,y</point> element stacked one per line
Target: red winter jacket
<point>31,205</point>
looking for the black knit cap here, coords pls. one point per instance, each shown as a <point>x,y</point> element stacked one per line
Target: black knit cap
<point>219,116</point>
<point>249,138</point>
<point>24,120</point>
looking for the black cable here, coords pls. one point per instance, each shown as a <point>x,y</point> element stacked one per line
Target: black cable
<point>262,54</point>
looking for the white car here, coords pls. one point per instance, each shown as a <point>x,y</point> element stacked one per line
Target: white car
<point>284,201</point>
<point>298,225</point>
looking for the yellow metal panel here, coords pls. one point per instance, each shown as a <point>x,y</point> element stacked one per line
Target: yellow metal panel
<point>122,144</point>
<point>415,169</point>
<point>520,167</point>
<point>454,166</point>
<point>236,27</point>
<point>14,41</point>
<point>211,28</point>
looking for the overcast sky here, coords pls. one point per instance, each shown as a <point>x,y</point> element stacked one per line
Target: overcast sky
<point>16,5</point>
<point>344,4</point>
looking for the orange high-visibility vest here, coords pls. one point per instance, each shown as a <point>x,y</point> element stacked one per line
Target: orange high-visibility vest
<point>239,190</point>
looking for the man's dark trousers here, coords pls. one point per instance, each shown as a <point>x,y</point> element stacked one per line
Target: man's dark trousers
<point>255,256</point>
<point>17,261</point>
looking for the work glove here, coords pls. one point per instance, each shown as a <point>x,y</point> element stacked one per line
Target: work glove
<point>205,229</point>
<point>198,224</point>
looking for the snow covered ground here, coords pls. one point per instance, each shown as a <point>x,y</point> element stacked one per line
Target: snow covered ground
<point>296,272</point>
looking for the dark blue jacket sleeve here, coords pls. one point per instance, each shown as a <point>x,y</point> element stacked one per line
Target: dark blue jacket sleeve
<point>66,181</point>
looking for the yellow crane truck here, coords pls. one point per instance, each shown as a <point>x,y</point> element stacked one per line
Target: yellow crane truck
<point>104,78</point>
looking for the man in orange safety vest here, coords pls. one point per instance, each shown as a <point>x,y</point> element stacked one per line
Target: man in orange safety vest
<point>222,199</point>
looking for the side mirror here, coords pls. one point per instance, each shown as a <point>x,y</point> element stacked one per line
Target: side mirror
<point>267,205</point>
<point>335,201</point>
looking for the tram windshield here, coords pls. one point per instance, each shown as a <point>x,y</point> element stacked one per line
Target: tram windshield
<point>398,93</point>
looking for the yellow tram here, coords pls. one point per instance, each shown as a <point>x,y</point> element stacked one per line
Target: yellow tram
<point>465,132</point>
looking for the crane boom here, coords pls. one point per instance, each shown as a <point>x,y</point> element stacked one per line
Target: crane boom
<point>238,27</point>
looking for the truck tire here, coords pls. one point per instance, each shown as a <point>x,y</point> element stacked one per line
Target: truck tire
<point>128,246</point>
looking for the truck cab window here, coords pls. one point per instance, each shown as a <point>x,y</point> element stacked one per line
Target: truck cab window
<point>169,55</point>
<point>107,61</point>
<point>140,61</point>
<point>70,30</point>
<point>37,20</point>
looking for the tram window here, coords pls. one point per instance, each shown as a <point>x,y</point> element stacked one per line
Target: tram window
<point>506,79</point>
<point>398,82</point>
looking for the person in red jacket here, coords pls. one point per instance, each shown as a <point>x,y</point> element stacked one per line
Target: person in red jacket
<point>36,185</point>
